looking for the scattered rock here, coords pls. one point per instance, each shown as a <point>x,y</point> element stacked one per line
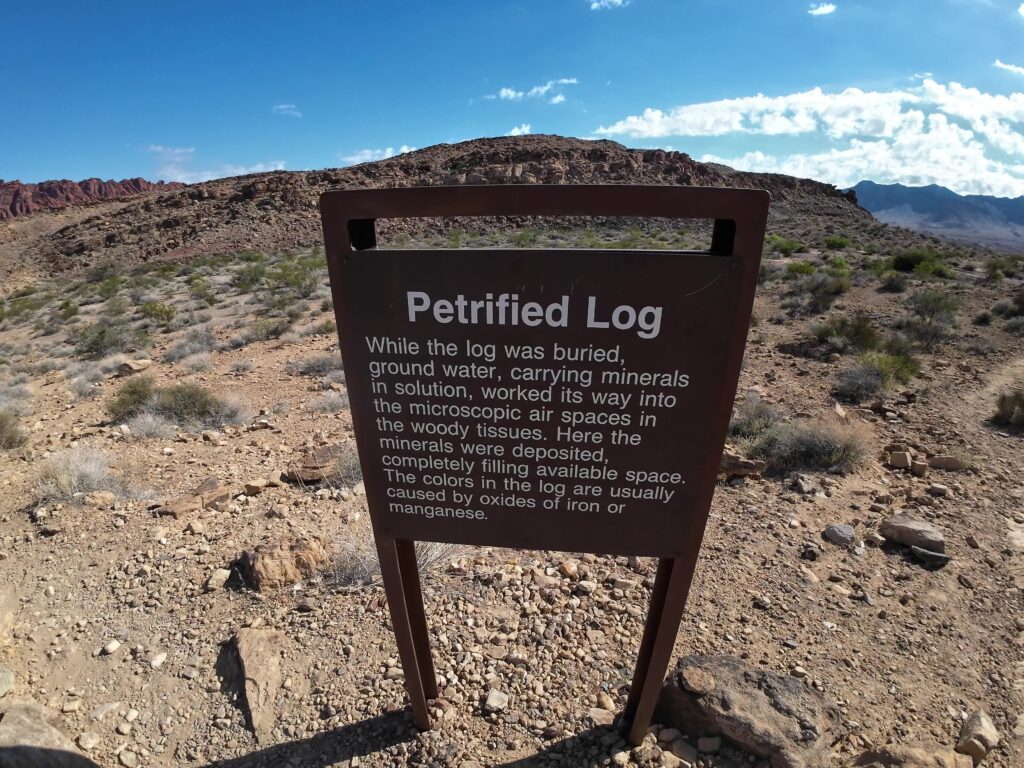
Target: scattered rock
<point>919,468</point>
<point>259,655</point>
<point>928,755</point>
<point>315,466</point>
<point>496,701</point>
<point>158,661</point>
<point>900,460</point>
<point>99,499</point>
<point>734,464</point>
<point>217,580</point>
<point>948,463</point>
<point>283,563</point>
<point>111,647</point>
<point>89,740</point>
<point>841,535</point>
<point>255,487</point>
<point>770,715</point>
<point>129,367</point>
<point>927,557</point>
<point>912,532</point>
<point>28,739</point>
<point>978,736</point>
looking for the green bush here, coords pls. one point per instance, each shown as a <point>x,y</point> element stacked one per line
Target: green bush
<point>1010,408</point>
<point>109,287</point>
<point>932,316</point>
<point>752,417</point>
<point>298,276</point>
<point>201,289</point>
<point>249,278</point>
<point>131,398</point>
<point>117,306</point>
<point>837,242</point>
<point>855,332</point>
<point>799,268</point>
<point>812,444</point>
<point>893,281</point>
<point>857,384</point>
<point>11,435</point>
<point>102,338</point>
<point>784,245</point>
<point>68,309</point>
<point>893,368</point>
<point>839,267</point>
<point>525,238</point>
<point>158,312</point>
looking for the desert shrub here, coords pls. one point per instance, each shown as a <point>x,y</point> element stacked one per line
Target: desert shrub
<point>76,471</point>
<point>855,332</point>
<point>323,328</point>
<point>821,290</point>
<point>983,318</point>
<point>839,267</point>
<point>14,396</point>
<point>932,316</point>
<point>249,278</point>
<point>837,242</point>
<point>752,417</point>
<point>197,363</point>
<point>329,402</point>
<point>108,287</point>
<point>201,289</point>
<point>526,238</point>
<point>118,306</point>
<point>196,341</point>
<point>346,468</point>
<point>893,281</point>
<point>910,259</point>
<point>999,267</point>
<point>859,383</point>
<point>784,245</point>
<point>298,276</point>
<point>1015,325</point>
<point>158,312</point>
<point>241,366</point>
<point>263,329</point>
<point>68,309</point>
<point>821,444</point>
<point>799,268</point>
<point>188,404</point>
<point>1004,308</point>
<point>146,425</point>
<point>11,434</point>
<point>1010,408</point>
<point>104,337</point>
<point>131,398</point>
<point>894,367</point>
<point>318,365</point>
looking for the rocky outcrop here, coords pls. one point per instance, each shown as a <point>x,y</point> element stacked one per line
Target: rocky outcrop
<point>768,714</point>
<point>17,199</point>
<point>283,563</point>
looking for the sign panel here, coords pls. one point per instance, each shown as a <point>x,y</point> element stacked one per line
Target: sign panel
<point>568,399</point>
<point>538,399</point>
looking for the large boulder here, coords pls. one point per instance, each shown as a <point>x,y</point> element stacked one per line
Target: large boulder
<point>283,563</point>
<point>913,532</point>
<point>28,739</point>
<point>259,656</point>
<point>771,715</point>
<point>927,755</point>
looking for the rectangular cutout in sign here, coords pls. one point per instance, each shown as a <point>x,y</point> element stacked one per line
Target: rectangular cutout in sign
<point>562,399</point>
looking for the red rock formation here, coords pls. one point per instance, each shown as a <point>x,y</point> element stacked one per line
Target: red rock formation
<point>17,199</point>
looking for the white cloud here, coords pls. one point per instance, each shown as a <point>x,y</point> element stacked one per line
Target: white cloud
<point>369,155</point>
<point>603,5</point>
<point>286,109</point>
<point>822,9</point>
<point>1021,9</point>
<point>1008,67</point>
<point>948,134</point>
<point>520,130</point>
<point>175,164</point>
<point>536,92</point>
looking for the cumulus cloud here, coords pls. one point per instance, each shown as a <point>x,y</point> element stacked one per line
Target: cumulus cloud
<point>603,5</point>
<point>948,134</point>
<point>286,109</point>
<point>822,9</point>
<point>369,155</point>
<point>1008,67</point>
<point>519,130</point>
<point>176,164</point>
<point>1020,10</point>
<point>554,87</point>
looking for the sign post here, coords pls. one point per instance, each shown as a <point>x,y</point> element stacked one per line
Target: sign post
<point>556,399</point>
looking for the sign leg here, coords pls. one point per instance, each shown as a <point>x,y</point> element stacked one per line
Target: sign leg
<point>668,599</point>
<point>391,571</point>
<point>417,614</point>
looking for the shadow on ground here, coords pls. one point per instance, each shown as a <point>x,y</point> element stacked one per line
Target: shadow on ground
<point>38,757</point>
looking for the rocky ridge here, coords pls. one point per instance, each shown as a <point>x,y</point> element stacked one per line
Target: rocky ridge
<point>17,199</point>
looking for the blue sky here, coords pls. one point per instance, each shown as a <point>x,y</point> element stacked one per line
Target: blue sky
<point>916,91</point>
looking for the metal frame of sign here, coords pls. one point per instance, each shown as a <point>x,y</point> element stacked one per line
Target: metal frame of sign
<point>740,216</point>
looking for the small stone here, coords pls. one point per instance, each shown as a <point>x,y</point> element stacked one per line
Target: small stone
<point>948,463</point>
<point>496,701</point>
<point>937,489</point>
<point>709,744</point>
<point>918,468</point>
<point>601,717</point>
<point>128,758</point>
<point>89,740</point>
<point>217,580</point>
<point>928,557</point>
<point>840,535</point>
<point>111,647</point>
<point>978,736</point>
<point>586,587</point>
<point>6,681</point>
<point>604,701</point>
<point>900,460</point>
<point>255,487</point>
<point>684,751</point>
<point>158,661</point>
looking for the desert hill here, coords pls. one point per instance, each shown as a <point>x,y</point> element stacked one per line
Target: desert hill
<point>997,222</point>
<point>17,199</point>
<point>278,210</point>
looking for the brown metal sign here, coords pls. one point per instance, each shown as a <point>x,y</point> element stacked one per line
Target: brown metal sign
<point>562,399</point>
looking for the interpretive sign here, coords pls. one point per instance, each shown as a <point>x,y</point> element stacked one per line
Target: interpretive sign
<point>562,399</point>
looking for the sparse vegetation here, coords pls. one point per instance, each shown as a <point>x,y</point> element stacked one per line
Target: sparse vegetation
<point>932,316</point>
<point>811,444</point>
<point>856,333</point>
<point>752,417</point>
<point>318,365</point>
<point>158,312</point>
<point>71,473</point>
<point>330,402</point>
<point>196,341</point>
<point>11,434</point>
<point>786,246</point>
<point>837,242</point>
<point>1010,408</point>
<point>95,340</point>
<point>192,405</point>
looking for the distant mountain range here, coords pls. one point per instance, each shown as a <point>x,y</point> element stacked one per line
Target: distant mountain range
<point>997,222</point>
